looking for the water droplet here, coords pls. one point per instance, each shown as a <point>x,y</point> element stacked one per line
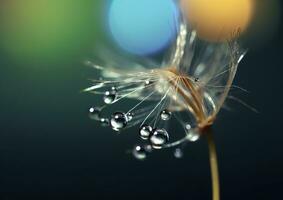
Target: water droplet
<point>139,153</point>
<point>188,127</point>
<point>114,89</point>
<point>148,148</point>
<point>165,115</point>
<point>196,79</point>
<point>118,121</point>
<point>178,153</point>
<point>159,138</point>
<point>94,113</point>
<point>109,97</point>
<point>148,82</point>
<point>104,122</point>
<point>193,136</point>
<point>130,116</point>
<point>145,131</point>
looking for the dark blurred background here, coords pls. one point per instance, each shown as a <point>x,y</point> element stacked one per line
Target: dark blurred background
<point>50,149</point>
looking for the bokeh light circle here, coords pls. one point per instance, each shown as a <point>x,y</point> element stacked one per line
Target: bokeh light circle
<point>38,32</point>
<point>219,20</point>
<point>143,27</point>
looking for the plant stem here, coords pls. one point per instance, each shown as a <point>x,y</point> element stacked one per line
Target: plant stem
<point>213,167</point>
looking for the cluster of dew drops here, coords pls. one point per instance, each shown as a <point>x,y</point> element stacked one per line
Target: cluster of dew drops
<point>157,138</point>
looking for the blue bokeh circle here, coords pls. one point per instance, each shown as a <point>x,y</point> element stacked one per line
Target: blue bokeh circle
<point>143,27</point>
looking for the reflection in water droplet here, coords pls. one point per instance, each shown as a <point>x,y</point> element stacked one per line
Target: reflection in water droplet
<point>109,96</point>
<point>178,153</point>
<point>118,121</point>
<point>104,122</point>
<point>94,113</point>
<point>145,131</point>
<point>159,138</point>
<point>165,115</point>
<point>139,153</point>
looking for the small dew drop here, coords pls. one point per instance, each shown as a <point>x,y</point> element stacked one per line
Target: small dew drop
<point>139,153</point>
<point>178,153</point>
<point>104,122</point>
<point>188,127</point>
<point>94,113</point>
<point>159,138</point>
<point>148,82</point>
<point>145,131</point>
<point>193,136</point>
<point>130,116</point>
<point>148,148</point>
<point>165,115</point>
<point>114,89</point>
<point>118,121</point>
<point>109,96</point>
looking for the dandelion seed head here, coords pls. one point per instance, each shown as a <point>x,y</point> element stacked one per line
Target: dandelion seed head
<point>189,87</point>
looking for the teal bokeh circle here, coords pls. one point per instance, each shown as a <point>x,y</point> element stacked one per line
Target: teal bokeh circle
<point>143,27</point>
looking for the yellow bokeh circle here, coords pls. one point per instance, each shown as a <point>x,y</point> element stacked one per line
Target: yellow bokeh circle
<point>218,20</point>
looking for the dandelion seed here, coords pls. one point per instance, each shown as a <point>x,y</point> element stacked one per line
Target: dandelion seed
<point>194,79</point>
<point>190,86</point>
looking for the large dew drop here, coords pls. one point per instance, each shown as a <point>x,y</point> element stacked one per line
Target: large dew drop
<point>145,131</point>
<point>139,153</point>
<point>118,121</point>
<point>159,138</point>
